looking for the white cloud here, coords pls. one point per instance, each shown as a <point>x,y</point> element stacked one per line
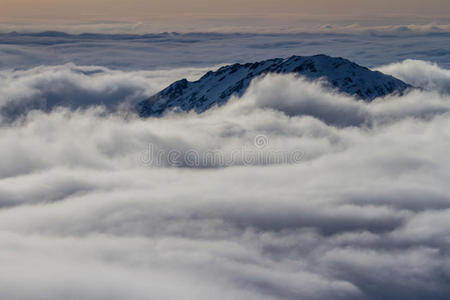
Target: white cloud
<point>361,216</point>
<point>72,86</point>
<point>422,74</point>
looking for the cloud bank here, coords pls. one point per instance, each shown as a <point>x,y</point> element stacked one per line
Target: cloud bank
<point>425,75</point>
<point>363,214</point>
<point>78,87</point>
<point>370,48</point>
<point>278,23</point>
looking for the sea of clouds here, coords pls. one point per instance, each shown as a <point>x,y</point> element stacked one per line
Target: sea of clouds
<point>369,48</point>
<point>293,191</point>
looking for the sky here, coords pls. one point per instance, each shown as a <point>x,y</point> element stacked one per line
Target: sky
<point>202,14</point>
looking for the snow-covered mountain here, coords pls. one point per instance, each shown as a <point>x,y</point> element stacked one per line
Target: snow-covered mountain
<point>217,87</point>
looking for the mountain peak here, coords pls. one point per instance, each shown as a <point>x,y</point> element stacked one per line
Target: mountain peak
<point>216,87</point>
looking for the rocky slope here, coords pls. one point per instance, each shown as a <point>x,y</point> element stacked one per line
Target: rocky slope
<point>217,87</point>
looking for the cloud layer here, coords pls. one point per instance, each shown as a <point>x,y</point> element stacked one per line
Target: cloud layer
<point>100,206</point>
<point>173,50</point>
<point>78,87</point>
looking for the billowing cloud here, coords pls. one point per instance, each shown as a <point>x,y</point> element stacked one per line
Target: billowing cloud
<point>290,192</point>
<point>78,87</point>
<point>422,74</point>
